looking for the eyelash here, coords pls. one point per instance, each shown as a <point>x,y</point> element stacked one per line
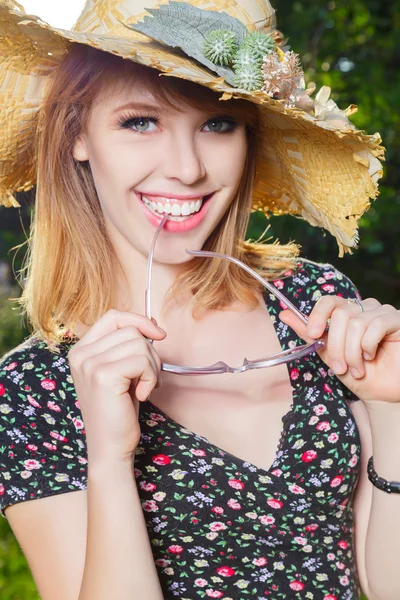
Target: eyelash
<point>127,121</point>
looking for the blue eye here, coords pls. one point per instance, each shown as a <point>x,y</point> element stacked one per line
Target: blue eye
<point>138,124</point>
<point>221,125</point>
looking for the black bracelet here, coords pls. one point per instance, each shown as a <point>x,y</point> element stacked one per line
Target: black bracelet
<point>379,482</point>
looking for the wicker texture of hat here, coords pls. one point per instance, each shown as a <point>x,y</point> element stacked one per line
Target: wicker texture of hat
<point>313,162</point>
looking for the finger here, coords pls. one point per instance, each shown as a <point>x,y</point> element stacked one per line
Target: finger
<point>130,348</point>
<point>122,372</point>
<point>336,340</point>
<point>115,319</point>
<point>384,325</point>
<point>320,314</point>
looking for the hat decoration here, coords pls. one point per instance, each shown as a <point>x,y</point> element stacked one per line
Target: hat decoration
<point>313,162</point>
<point>248,61</point>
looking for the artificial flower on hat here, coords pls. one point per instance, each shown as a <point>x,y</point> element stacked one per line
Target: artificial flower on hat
<point>313,163</point>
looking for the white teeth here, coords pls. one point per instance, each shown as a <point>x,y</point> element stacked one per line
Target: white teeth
<point>175,209</point>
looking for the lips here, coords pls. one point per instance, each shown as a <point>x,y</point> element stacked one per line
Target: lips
<point>176,224</point>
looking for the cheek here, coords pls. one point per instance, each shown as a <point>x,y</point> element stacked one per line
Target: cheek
<point>230,159</point>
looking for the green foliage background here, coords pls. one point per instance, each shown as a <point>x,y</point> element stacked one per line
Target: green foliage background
<point>354,47</point>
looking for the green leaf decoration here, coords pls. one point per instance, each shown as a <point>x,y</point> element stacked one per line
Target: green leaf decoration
<point>181,25</point>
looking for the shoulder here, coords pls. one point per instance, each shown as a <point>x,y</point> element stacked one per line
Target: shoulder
<point>42,437</point>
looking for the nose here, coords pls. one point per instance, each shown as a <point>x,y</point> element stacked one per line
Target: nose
<point>183,159</point>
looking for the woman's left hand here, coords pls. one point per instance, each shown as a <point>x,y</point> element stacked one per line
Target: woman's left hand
<point>366,344</point>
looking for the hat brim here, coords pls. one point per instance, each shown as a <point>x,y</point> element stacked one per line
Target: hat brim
<point>325,175</point>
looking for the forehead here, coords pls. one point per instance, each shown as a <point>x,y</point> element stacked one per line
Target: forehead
<point>130,82</point>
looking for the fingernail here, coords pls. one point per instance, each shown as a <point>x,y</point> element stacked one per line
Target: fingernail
<point>338,367</point>
<point>367,356</point>
<point>154,321</point>
<point>355,373</point>
<point>162,330</point>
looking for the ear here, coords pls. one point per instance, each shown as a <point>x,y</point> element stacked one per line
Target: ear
<point>80,151</point>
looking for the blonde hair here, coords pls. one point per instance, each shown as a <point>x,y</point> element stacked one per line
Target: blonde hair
<point>70,262</point>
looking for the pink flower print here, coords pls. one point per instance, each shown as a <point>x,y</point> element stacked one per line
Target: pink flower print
<point>344,580</point>
<point>48,384</point>
<point>294,374</point>
<point>236,484</point>
<point>330,597</point>
<point>162,562</point>
<point>278,284</point>
<point>161,459</point>
<point>137,472</point>
<point>49,446</point>
<point>301,540</point>
<point>225,571</point>
<point>282,305</point>
<point>217,526</point>
<point>78,406</point>
<point>234,504</point>
<point>198,452</point>
<point>336,480</point>
<point>320,409</point>
<point>217,509</point>
<point>329,288</point>
<point>31,464</point>
<point>2,390</point>
<point>353,461</point>
<point>343,544</point>
<point>322,372</point>
<point>296,585</point>
<point>267,519</point>
<point>288,273</point>
<point>33,402</point>
<point>53,406</point>
<point>276,472</point>
<point>175,549</point>
<point>200,582</point>
<point>214,594</point>
<point>2,489</point>
<point>340,565</point>
<point>11,366</point>
<point>331,556</point>
<point>333,437</point>
<point>156,417</point>
<point>327,388</point>
<point>323,426</point>
<point>329,275</point>
<point>312,527</point>
<point>260,562</point>
<point>150,506</point>
<point>31,447</point>
<point>58,436</point>
<point>147,487</point>
<point>274,503</point>
<point>78,423</point>
<point>296,489</point>
<point>309,456</point>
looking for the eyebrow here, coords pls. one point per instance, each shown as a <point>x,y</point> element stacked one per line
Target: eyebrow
<point>137,105</point>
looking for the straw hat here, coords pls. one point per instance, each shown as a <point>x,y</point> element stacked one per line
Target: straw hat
<point>314,163</point>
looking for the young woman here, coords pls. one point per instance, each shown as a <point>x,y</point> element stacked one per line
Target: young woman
<point>222,485</point>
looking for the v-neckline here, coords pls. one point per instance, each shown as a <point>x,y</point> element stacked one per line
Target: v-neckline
<point>271,305</point>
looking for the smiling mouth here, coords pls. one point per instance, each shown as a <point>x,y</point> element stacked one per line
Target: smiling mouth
<point>178,210</point>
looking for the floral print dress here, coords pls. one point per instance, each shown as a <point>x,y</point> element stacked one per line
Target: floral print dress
<point>219,527</point>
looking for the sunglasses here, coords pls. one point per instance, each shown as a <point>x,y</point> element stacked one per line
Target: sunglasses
<point>221,367</point>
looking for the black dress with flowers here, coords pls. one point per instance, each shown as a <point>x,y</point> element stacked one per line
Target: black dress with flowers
<point>219,527</point>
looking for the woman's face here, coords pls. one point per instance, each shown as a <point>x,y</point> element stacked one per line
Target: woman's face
<point>148,159</point>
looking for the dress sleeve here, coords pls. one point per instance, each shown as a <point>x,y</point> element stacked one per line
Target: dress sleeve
<point>42,449</point>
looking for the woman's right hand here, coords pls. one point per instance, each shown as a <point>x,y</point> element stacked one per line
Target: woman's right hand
<point>114,368</point>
